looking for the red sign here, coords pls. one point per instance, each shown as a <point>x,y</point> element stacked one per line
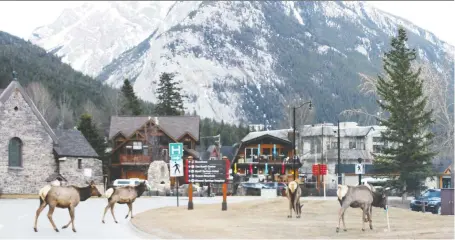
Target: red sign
<point>319,169</point>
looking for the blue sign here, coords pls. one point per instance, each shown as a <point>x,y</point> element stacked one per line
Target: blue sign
<point>176,150</point>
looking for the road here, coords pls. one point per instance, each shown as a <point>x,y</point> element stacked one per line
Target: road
<point>17,217</point>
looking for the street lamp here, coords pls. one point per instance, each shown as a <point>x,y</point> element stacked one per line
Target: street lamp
<point>293,135</point>
<point>339,157</point>
<point>360,175</point>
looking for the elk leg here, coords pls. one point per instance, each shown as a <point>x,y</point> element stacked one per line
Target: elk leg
<point>105,211</point>
<point>297,209</point>
<point>130,206</point>
<point>49,215</point>
<point>72,218</point>
<point>364,215</point>
<point>112,212</point>
<point>65,226</point>
<point>344,225</point>
<point>38,212</point>
<point>341,216</point>
<point>290,209</point>
<point>369,217</point>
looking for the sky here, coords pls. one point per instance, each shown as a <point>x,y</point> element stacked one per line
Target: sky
<point>20,18</point>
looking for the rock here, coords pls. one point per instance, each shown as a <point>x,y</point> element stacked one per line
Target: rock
<point>158,177</point>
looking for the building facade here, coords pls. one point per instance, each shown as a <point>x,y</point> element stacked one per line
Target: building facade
<point>319,144</point>
<point>30,150</point>
<point>266,154</point>
<point>139,140</point>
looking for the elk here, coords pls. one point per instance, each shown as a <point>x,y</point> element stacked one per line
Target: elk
<point>293,193</point>
<point>359,196</point>
<point>124,195</point>
<point>64,197</point>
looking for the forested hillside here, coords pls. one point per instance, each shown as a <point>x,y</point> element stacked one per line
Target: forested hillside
<point>62,94</point>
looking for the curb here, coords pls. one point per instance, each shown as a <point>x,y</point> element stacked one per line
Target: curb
<point>141,233</point>
<point>146,235</point>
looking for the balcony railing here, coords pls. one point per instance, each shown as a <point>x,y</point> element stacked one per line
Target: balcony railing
<point>134,159</point>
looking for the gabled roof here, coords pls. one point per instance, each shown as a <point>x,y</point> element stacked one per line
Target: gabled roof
<point>442,166</point>
<point>54,176</point>
<point>6,94</point>
<point>73,144</point>
<point>175,126</point>
<point>281,134</point>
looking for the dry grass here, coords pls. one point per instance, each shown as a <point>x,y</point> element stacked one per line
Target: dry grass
<point>16,196</point>
<point>268,219</point>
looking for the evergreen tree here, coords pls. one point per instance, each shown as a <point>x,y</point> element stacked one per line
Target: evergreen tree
<point>170,101</point>
<point>131,102</point>
<point>91,133</point>
<point>408,122</point>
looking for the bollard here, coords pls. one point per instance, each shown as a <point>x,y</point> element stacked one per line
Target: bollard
<point>224,203</point>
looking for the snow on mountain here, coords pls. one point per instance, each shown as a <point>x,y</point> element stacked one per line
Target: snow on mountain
<point>237,60</point>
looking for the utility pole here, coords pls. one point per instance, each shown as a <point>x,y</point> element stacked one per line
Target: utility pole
<point>322,152</point>
<point>293,143</point>
<point>293,135</point>
<point>339,155</point>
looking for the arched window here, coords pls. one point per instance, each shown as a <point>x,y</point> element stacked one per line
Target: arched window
<point>15,152</point>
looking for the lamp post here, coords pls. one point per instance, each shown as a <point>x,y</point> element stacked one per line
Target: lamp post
<point>339,154</point>
<point>360,175</point>
<point>293,135</point>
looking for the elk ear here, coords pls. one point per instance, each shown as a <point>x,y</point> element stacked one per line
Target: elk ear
<point>92,183</point>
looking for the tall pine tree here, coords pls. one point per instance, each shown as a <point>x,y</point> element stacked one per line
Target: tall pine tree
<point>170,101</point>
<point>408,135</point>
<point>93,136</point>
<point>131,104</point>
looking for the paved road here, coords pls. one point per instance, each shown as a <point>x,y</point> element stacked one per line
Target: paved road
<point>17,217</point>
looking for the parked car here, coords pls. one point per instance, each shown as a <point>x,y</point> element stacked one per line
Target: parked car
<point>280,187</point>
<point>129,182</point>
<point>432,200</point>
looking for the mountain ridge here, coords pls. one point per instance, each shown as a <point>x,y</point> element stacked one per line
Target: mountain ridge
<point>245,60</point>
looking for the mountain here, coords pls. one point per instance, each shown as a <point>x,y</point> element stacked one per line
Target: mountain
<point>239,60</point>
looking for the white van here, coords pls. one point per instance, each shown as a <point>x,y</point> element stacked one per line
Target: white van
<point>128,182</point>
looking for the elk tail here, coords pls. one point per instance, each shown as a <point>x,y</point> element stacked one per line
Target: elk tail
<point>43,193</point>
<point>109,193</point>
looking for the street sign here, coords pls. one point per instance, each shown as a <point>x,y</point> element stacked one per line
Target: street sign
<point>319,169</point>
<point>213,171</point>
<point>176,150</point>
<point>359,168</point>
<point>176,165</point>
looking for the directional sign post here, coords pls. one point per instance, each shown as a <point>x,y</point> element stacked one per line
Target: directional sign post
<point>176,163</point>
<point>213,171</point>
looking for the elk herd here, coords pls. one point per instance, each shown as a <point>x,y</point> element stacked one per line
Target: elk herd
<point>70,196</point>
<point>364,197</point>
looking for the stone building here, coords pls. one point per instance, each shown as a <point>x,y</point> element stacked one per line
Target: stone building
<point>32,154</point>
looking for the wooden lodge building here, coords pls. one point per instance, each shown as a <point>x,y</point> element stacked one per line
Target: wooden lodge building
<point>139,140</point>
<point>266,153</point>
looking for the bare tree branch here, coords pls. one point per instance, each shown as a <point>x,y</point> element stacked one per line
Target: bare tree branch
<point>66,115</point>
<point>303,115</point>
<point>43,101</point>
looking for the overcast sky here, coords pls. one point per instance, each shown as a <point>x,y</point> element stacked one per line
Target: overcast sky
<point>21,17</point>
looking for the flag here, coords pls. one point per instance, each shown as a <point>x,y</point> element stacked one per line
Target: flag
<point>274,149</point>
<point>251,168</point>
<point>235,167</point>
<point>266,169</point>
<point>283,169</point>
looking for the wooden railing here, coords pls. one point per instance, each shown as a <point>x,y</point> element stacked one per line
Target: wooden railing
<point>134,159</point>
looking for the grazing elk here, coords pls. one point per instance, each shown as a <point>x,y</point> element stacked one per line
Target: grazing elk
<point>64,197</point>
<point>124,195</point>
<point>293,193</point>
<point>356,197</point>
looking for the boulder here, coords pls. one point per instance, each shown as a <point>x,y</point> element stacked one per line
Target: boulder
<point>158,177</point>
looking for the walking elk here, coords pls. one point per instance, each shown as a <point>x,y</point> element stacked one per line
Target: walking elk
<point>124,195</point>
<point>63,197</point>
